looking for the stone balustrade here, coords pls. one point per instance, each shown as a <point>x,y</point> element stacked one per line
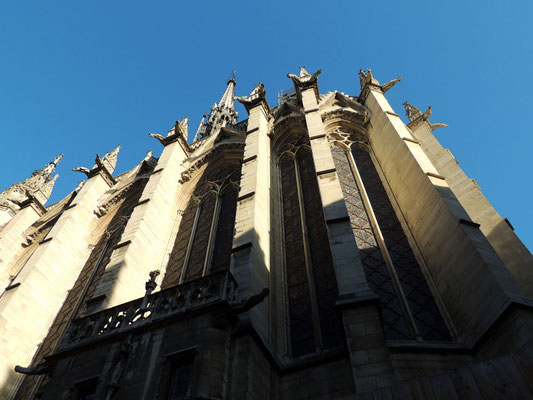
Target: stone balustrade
<point>187,297</point>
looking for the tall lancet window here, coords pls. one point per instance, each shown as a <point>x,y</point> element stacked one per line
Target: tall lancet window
<point>204,239</point>
<point>408,307</point>
<point>311,284</point>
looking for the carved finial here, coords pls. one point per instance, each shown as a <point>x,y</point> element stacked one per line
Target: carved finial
<point>149,286</point>
<point>184,127</point>
<point>415,116</point>
<point>411,111</point>
<point>256,96</point>
<point>303,72</point>
<point>51,166</point>
<point>110,159</point>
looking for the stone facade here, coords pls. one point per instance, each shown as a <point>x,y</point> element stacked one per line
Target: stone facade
<point>320,249</point>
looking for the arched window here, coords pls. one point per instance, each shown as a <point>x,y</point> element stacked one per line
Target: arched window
<point>310,276</point>
<point>408,308</point>
<point>204,239</point>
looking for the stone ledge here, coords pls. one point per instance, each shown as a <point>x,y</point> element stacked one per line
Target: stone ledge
<point>311,110</point>
<point>322,135</point>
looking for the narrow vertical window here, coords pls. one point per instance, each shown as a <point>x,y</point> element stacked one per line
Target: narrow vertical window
<point>311,283</point>
<point>205,236</point>
<point>408,308</point>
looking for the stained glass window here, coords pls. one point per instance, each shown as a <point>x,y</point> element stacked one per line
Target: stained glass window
<point>414,290</point>
<point>214,202</point>
<point>311,283</point>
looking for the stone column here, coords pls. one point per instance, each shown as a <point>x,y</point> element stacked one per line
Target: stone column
<point>471,279</point>
<point>11,237</point>
<point>144,245</point>
<point>496,229</point>
<point>27,310</point>
<point>251,244</point>
<point>371,364</point>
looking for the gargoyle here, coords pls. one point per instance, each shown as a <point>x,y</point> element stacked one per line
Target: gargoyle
<point>250,302</point>
<point>159,137</point>
<point>438,125</point>
<point>390,84</point>
<point>84,170</point>
<point>40,369</point>
<point>231,315</point>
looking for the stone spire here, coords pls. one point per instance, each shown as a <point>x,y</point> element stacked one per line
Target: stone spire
<point>221,114</point>
<point>37,187</point>
<point>41,182</point>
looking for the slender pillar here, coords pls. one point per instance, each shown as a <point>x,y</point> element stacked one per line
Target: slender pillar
<point>371,364</point>
<point>29,307</point>
<point>251,244</point>
<point>144,246</point>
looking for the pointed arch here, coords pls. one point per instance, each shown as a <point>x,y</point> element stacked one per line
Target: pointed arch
<point>311,285</point>
<point>205,235</point>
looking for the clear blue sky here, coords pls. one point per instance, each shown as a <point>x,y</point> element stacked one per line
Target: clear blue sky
<point>80,77</point>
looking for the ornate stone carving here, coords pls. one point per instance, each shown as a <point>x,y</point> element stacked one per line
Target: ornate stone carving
<point>221,115</point>
<point>305,81</point>
<point>368,83</point>
<point>179,132</point>
<point>83,170</point>
<point>38,188</point>
<point>109,161</point>
<point>256,97</point>
<point>417,117</point>
<point>104,166</point>
<point>218,288</point>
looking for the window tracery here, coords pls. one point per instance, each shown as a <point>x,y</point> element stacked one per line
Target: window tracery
<point>204,239</point>
<point>408,308</point>
<point>310,277</point>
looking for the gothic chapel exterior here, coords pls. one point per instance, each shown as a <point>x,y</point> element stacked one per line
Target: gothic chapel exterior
<point>320,249</point>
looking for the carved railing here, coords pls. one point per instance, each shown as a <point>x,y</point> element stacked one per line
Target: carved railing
<point>171,302</point>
